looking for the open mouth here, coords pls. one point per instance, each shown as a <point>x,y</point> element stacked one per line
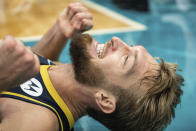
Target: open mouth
<point>102,49</point>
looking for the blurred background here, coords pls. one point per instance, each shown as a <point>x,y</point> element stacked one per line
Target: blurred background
<point>166,28</point>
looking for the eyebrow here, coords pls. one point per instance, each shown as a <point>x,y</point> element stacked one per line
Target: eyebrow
<point>131,70</point>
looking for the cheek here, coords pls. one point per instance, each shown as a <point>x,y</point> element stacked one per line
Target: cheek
<point>92,51</point>
<point>112,63</point>
<point>112,68</point>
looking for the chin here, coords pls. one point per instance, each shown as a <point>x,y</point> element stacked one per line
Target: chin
<point>86,72</point>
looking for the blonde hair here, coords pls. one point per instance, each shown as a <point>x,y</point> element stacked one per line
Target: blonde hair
<point>157,107</point>
<point>152,111</point>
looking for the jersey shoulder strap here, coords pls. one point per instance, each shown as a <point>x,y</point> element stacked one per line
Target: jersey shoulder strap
<point>44,61</point>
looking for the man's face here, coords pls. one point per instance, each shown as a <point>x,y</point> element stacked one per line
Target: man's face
<point>121,65</point>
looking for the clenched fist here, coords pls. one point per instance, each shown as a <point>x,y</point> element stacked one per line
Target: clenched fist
<point>17,63</point>
<point>75,19</point>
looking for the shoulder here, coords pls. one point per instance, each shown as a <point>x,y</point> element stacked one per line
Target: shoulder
<point>25,116</point>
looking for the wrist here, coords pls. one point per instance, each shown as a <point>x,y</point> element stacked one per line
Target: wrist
<point>65,28</point>
<point>59,31</point>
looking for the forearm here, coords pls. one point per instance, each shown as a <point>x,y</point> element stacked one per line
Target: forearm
<point>75,19</point>
<point>51,44</point>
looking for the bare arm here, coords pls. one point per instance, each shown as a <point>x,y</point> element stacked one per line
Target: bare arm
<point>22,116</point>
<point>51,44</point>
<point>73,20</point>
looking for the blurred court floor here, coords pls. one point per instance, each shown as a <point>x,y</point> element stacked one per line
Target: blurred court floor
<point>42,15</point>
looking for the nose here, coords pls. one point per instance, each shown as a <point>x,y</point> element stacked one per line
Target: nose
<point>118,43</point>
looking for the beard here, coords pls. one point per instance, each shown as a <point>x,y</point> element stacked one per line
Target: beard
<point>86,72</point>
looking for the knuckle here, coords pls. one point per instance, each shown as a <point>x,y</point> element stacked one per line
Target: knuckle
<point>76,26</point>
<point>71,7</point>
<point>78,16</point>
<point>20,51</point>
<point>32,65</point>
<point>29,59</point>
<point>8,37</point>
<point>36,68</point>
<point>74,10</point>
<point>85,22</point>
<point>9,43</point>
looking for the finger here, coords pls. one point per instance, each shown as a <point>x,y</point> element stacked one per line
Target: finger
<point>27,71</point>
<point>9,44</point>
<point>86,25</point>
<point>76,23</point>
<point>36,65</point>
<point>74,8</point>
<point>84,15</point>
<point>32,61</point>
<point>8,39</point>
<point>20,42</point>
<point>69,14</point>
<point>79,17</point>
<point>82,21</point>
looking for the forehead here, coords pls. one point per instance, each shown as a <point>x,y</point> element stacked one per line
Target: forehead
<point>144,59</point>
<point>145,64</point>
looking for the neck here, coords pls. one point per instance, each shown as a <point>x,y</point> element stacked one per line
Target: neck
<point>77,97</point>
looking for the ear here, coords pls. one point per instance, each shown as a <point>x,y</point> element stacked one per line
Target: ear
<point>106,101</point>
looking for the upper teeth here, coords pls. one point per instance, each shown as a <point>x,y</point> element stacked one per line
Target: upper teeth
<point>100,49</point>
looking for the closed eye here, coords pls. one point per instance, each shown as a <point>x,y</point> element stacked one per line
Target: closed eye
<point>126,58</point>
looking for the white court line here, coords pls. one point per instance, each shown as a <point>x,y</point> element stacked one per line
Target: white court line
<point>113,30</point>
<point>134,26</point>
<point>30,38</point>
